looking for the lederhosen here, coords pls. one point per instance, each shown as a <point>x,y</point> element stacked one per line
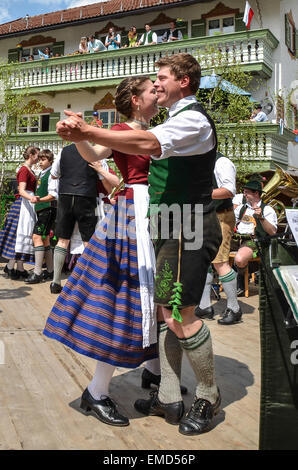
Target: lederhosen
<point>241,239</point>
<point>181,272</point>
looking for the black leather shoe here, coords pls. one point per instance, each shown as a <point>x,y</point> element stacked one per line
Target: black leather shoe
<point>47,276</point>
<point>205,313</point>
<point>10,272</point>
<point>34,278</point>
<point>198,419</point>
<point>19,274</point>
<point>172,412</point>
<point>148,378</point>
<point>55,288</point>
<point>230,317</point>
<point>105,409</point>
<point>240,292</point>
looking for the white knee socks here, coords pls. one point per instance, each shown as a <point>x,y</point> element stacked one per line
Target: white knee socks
<point>99,385</point>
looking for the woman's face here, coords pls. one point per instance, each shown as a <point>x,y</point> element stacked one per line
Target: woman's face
<point>34,157</point>
<point>147,100</point>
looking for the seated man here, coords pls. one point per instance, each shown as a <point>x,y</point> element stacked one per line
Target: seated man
<point>259,115</point>
<point>253,220</point>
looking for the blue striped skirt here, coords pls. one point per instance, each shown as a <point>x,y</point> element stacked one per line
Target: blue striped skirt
<point>98,312</point>
<point>8,234</point>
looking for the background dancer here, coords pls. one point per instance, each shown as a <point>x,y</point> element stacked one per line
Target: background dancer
<point>26,186</point>
<point>106,308</point>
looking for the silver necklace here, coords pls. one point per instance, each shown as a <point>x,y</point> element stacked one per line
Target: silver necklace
<point>142,123</point>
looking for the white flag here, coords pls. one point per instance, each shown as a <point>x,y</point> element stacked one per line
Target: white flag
<point>248,14</point>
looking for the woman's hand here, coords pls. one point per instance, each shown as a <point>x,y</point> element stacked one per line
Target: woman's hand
<point>74,128</point>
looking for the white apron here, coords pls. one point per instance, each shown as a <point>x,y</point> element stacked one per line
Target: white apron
<point>26,223</point>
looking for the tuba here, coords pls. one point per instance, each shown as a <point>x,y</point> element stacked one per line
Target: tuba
<point>281,182</point>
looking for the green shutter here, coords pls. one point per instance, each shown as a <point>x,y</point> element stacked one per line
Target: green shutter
<point>296,42</point>
<point>58,48</point>
<point>14,54</point>
<point>88,116</point>
<point>287,32</point>
<point>54,118</point>
<point>198,28</point>
<point>239,23</point>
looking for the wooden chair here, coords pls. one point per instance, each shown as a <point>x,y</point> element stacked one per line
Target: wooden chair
<point>246,272</point>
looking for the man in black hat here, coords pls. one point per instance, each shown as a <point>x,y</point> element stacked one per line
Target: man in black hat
<point>254,219</point>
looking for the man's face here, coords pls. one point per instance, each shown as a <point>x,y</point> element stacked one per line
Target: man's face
<point>168,88</point>
<point>251,196</point>
<point>172,25</point>
<point>147,27</point>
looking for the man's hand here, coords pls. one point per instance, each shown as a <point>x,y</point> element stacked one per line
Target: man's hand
<point>34,199</point>
<point>258,213</point>
<point>74,128</point>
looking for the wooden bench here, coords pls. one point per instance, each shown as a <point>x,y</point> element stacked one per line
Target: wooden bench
<point>246,272</point>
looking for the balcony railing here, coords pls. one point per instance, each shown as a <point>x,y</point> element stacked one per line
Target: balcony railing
<point>259,143</point>
<point>252,49</point>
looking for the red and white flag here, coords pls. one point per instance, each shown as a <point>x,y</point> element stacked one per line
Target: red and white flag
<point>248,14</point>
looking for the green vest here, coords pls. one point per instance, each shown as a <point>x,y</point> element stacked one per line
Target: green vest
<point>183,180</point>
<point>149,35</point>
<point>259,231</point>
<point>42,191</point>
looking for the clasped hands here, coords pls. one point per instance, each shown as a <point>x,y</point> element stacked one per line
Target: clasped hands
<point>258,213</point>
<point>74,128</point>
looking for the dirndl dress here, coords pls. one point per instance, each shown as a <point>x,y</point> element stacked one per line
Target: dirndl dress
<point>99,311</point>
<point>9,232</point>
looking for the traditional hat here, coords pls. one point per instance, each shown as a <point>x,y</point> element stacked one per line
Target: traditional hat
<point>253,185</point>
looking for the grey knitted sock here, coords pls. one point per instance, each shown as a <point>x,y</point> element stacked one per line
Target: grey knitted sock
<point>170,355</point>
<point>49,258</point>
<point>200,354</point>
<point>206,296</point>
<point>39,256</point>
<point>59,258</point>
<point>229,284</point>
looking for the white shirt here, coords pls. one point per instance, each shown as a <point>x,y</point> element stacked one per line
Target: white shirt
<point>188,133</point>
<point>55,170</point>
<point>225,174</point>
<point>237,199</point>
<point>249,227</point>
<point>261,117</point>
<point>154,38</point>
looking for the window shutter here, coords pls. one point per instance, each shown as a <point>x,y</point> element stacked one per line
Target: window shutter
<point>14,54</point>
<point>239,23</point>
<point>198,28</point>
<point>287,32</point>
<point>88,116</point>
<point>54,118</point>
<point>58,48</point>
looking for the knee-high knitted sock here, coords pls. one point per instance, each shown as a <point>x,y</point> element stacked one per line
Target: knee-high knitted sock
<point>206,296</point>
<point>59,258</point>
<point>39,256</point>
<point>11,263</point>
<point>200,354</point>
<point>170,355</point>
<point>99,385</point>
<point>20,265</point>
<point>229,284</point>
<point>49,258</point>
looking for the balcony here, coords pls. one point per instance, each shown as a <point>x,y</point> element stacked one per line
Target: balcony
<point>253,50</point>
<point>261,144</point>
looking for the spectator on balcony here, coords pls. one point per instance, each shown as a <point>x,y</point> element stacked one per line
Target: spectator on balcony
<point>260,116</point>
<point>31,58</point>
<point>148,38</point>
<point>83,46</point>
<point>23,59</point>
<point>46,54</point>
<point>95,45</point>
<point>113,40</point>
<point>132,37</point>
<point>172,34</point>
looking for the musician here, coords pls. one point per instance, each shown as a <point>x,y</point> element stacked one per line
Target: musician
<point>254,220</point>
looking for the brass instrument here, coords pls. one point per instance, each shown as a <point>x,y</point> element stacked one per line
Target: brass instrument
<point>279,181</point>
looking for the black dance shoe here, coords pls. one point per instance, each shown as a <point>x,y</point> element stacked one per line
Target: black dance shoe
<point>55,288</point>
<point>47,276</point>
<point>9,272</point>
<point>205,313</point>
<point>172,412</point>
<point>240,292</point>
<point>19,275</point>
<point>105,410</point>
<point>199,417</point>
<point>34,278</point>
<point>148,378</point>
<point>230,317</point>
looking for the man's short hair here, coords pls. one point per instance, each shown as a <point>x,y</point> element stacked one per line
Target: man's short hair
<point>183,64</point>
<point>47,154</point>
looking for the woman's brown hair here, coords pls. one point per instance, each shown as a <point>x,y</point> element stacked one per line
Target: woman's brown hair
<point>31,150</point>
<point>127,88</point>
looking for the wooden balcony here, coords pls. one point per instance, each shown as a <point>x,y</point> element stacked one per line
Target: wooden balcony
<point>252,49</point>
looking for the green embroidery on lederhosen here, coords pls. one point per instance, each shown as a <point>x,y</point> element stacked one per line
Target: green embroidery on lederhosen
<point>163,282</point>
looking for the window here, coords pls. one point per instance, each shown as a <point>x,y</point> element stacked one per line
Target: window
<point>33,123</point>
<point>222,25</point>
<point>109,117</point>
<point>34,51</point>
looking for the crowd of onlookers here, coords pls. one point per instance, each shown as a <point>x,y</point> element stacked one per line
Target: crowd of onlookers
<point>90,44</point>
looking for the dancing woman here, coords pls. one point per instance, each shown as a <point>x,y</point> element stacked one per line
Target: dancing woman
<point>106,308</point>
